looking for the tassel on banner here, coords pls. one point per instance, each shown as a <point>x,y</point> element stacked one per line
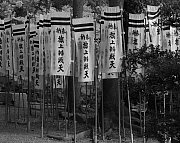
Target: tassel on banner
<point>84,38</point>
<point>60,43</point>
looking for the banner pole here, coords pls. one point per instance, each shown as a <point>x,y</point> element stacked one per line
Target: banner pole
<point>140,102</point>
<point>128,93</point>
<point>13,76</point>
<point>7,95</point>
<point>53,95</point>
<point>122,93</point>
<point>19,96</point>
<point>144,114</point>
<point>86,107</point>
<point>102,98</point>
<point>73,74</point>
<point>103,135</point>
<point>42,115</point>
<point>144,125</point>
<point>129,104</point>
<point>65,101</point>
<point>155,98</point>
<point>96,86</point>
<point>119,97</point>
<point>29,91</point>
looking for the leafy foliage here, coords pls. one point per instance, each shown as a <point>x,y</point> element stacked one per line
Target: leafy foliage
<point>160,72</point>
<point>160,69</point>
<point>4,9</point>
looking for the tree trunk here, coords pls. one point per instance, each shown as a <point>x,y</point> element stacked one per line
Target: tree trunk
<point>78,8</point>
<point>110,90</point>
<point>77,13</point>
<point>113,3</point>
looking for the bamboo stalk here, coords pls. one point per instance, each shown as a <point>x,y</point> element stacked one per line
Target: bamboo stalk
<point>86,107</point>
<point>119,97</point>
<point>103,135</point>
<point>73,74</point>
<point>23,107</point>
<point>124,132</point>
<point>129,108</point>
<point>29,88</point>
<point>42,114</point>
<point>140,112</point>
<point>65,106</point>
<point>144,125</point>
<point>96,86</point>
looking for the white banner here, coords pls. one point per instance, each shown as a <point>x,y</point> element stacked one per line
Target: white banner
<point>175,38</point>
<point>136,31</point>
<point>109,75</point>
<point>8,45</point>
<point>32,58</point>
<point>60,44</point>
<point>84,38</point>
<point>166,38</point>
<point>19,50</point>
<point>111,41</point>
<point>41,45</point>
<point>2,48</point>
<point>47,43</point>
<point>155,29</point>
<point>38,81</point>
<point>58,82</point>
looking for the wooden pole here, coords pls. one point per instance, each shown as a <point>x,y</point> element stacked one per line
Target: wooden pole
<point>96,85</point>
<point>86,107</point>
<point>7,100</point>
<point>29,90</point>
<point>119,97</point>
<point>140,102</point>
<point>65,108</point>
<point>144,125</point>
<point>123,104</point>
<point>42,114</point>
<point>77,13</point>
<point>129,107</point>
<point>156,106</point>
<point>171,101</point>
<point>23,107</point>
<point>19,96</point>
<point>103,135</point>
<point>14,95</point>
<point>67,103</point>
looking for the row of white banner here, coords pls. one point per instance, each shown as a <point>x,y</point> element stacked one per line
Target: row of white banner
<point>165,37</point>
<point>51,43</point>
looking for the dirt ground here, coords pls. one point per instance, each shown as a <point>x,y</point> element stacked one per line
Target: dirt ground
<point>17,133</point>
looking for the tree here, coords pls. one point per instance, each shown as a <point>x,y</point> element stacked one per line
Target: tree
<point>110,90</point>
<point>77,13</point>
